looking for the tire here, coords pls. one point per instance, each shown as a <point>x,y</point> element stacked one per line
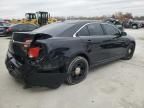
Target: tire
<point>134,26</point>
<point>77,70</point>
<point>129,52</point>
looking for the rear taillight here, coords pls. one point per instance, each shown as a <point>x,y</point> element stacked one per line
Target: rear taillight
<point>34,52</point>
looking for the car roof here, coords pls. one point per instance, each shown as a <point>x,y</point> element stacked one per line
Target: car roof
<point>82,21</point>
<point>75,25</point>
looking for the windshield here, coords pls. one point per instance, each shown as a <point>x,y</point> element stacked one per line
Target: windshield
<point>54,29</point>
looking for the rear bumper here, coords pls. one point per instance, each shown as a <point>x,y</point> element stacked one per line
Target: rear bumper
<point>32,75</point>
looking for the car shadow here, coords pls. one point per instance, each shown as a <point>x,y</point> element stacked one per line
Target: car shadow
<point>2,36</point>
<point>20,84</point>
<point>97,67</point>
<point>37,89</point>
<point>5,36</point>
<point>8,37</point>
<point>91,70</point>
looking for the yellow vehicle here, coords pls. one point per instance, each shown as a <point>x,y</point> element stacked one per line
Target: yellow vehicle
<point>38,18</point>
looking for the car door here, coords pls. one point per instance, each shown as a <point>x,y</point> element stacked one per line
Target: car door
<point>83,34</point>
<point>99,52</point>
<point>114,43</point>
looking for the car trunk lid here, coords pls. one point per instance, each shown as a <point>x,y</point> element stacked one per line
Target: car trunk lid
<point>20,43</point>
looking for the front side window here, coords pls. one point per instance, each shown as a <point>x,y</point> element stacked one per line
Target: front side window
<point>83,32</point>
<point>95,29</point>
<point>110,30</point>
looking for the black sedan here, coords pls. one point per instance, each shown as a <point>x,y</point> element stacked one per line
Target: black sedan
<point>20,28</point>
<point>3,27</point>
<point>64,52</point>
<point>132,24</point>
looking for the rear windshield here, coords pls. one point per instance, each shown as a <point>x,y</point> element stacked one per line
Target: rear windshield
<point>54,29</point>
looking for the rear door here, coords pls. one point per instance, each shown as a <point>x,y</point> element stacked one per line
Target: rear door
<point>115,44</point>
<point>84,36</point>
<point>95,42</point>
<point>98,42</point>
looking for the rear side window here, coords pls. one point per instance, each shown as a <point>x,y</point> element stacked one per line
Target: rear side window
<point>83,32</point>
<point>109,29</point>
<point>95,29</point>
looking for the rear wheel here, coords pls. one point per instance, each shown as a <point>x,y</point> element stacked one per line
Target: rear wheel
<point>129,52</point>
<point>77,70</point>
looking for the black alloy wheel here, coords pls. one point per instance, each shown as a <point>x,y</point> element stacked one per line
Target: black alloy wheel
<point>134,26</point>
<point>77,70</point>
<point>130,51</point>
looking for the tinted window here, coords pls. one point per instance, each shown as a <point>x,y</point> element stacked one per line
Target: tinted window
<point>19,27</point>
<point>30,27</point>
<point>83,32</point>
<point>95,29</point>
<point>109,29</point>
<point>54,29</point>
<point>15,26</point>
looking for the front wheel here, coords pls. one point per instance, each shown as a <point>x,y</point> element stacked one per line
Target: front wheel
<point>129,52</point>
<point>77,70</point>
<point>134,26</point>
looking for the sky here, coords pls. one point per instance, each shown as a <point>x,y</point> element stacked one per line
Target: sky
<point>88,8</point>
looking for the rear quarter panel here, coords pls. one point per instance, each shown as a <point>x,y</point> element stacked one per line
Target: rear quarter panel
<point>60,50</point>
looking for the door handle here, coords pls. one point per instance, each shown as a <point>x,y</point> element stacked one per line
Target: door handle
<point>89,40</point>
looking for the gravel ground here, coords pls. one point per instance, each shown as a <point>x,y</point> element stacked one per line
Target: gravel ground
<point>115,85</point>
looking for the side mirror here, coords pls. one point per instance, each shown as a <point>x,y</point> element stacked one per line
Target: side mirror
<point>118,34</point>
<point>120,27</point>
<point>123,33</point>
